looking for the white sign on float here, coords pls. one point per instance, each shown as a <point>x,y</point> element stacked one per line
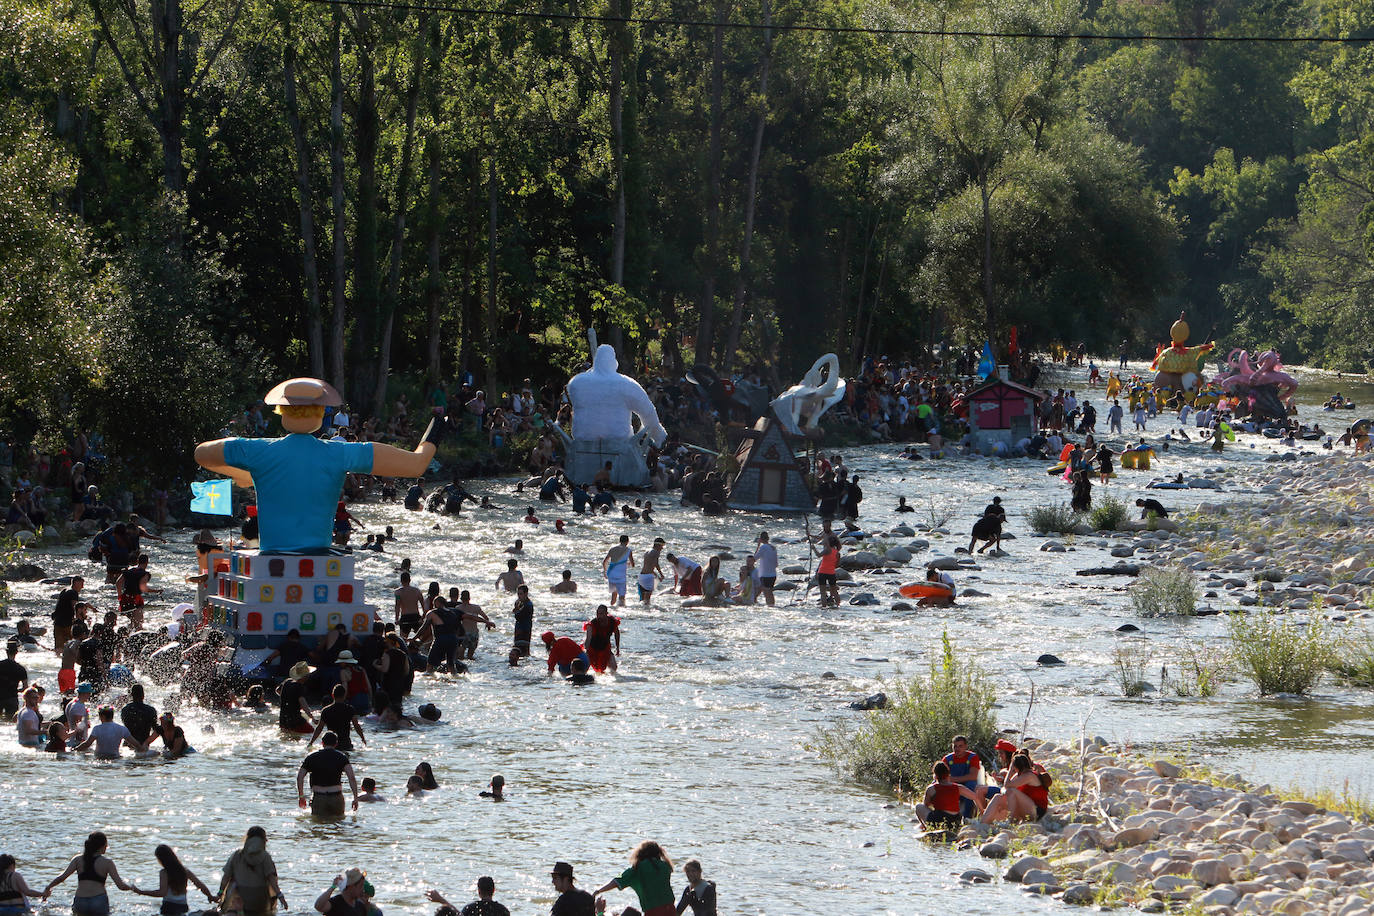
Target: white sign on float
<point>603,401</point>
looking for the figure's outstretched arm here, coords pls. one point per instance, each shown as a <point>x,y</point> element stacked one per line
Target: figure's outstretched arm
<point>210,455</point>
<point>389,461</point>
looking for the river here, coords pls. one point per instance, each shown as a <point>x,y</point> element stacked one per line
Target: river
<point>700,742</point>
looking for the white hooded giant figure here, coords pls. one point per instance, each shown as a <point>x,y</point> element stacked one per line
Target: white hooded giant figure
<point>603,401</point>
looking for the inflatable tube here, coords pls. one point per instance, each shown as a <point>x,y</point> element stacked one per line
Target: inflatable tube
<point>926,589</point>
<point>1271,433</point>
<point>1057,469</point>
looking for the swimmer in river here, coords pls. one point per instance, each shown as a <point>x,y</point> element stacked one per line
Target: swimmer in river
<point>524,624</point>
<point>567,586</point>
<point>486,503</point>
<point>579,676</point>
<point>614,566</point>
<point>902,505</point>
<point>518,547</point>
<point>511,579</point>
<point>530,517</point>
<point>369,793</point>
<point>650,572</point>
<point>496,789</point>
<point>558,526</point>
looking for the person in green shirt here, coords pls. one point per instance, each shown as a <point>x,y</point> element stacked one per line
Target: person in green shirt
<point>649,877</point>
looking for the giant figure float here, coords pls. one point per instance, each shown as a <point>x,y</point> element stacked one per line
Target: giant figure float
<point>603,401</point>
<point>1179,365</point>
<point>295,580</point>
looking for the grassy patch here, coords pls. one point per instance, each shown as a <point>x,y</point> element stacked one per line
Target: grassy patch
<point>1165,591</point>
<point>1352,803</point>
<point>1197,671</point>
<point>896,746</point>
<point>1131,662</point>
<point>1056,519</point>
<point>1354,661</point>
<point>1279,655</point>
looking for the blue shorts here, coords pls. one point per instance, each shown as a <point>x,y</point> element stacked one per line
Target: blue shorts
<point>98,905</point>
<point>566,670</point>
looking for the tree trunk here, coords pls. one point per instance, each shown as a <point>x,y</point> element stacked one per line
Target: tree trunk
<point>366,282</point>
<point>742,281</point>
<point>398,230</point>
<point>434,281</point>
<point>314,316</point>
<point>989,300</point>
<point>490,317</point>
<point>172,107</point>
<point>339,291</point>
<point>617,41</point>
<point>841,308</point>
<point>711,266</point>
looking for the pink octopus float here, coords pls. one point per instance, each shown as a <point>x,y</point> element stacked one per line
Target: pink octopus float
<point>1240,378</point>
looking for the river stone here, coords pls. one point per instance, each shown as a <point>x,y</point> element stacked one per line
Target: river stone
<point>975,876</point>
<point>1128,628</point>
<point>1112,872</point>
<point>1217,896</point>
<point>1166,769</point>
<point>902,606</point>
<point>1168,883</point>
<point>794,570</point>
<point>864,599</point>
<point>1134,836</point>
<point>905,531</point>
<point>1049,661</point>
<point>1078,895</point>
<point>993,849</point>
<point>863,559</point>
<point>944,563</point>
<point>1021,866</point>
<point>1211,872</point>
<point>917,544</point>
<point>897,555</point>
<point>22,572</point>
<point>1052,547</point>
<point>1041,877</point>
<point>1123,551</point>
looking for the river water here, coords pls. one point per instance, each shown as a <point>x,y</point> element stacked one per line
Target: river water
<point>700,742</point>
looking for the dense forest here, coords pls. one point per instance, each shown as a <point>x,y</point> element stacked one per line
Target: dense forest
<point>198,197</point>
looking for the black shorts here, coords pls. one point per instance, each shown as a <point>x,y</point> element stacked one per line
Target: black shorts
<point>944,820</point>
<point>768,581</point>
<point>826,578</point>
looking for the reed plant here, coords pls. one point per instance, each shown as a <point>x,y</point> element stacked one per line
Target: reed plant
<point>1280,655</point>
<point>1165,591</point>
<point>1353,662</point>
<point>896,745</point>
<point>1131,662</point>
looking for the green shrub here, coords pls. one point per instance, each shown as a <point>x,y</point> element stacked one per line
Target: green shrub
<point>896,745</point>
<point>1165,591</point>
<point>1353,663</point>
<point>1109,514</point>
<point>1056,519</point>
<point>1278,655</point>
<point>1131,660</point>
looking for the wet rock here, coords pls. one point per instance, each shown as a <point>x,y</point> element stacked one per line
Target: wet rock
<point>876,701</point>
<point>902,606</point>
<point>22,572</point>
<point>973,593</point>
<point>1039,877</point>
<point>1049,661</point>
<point>1123,551</point>
<point>1128,628</point>
<point>1052,547</point>
<point>897,555</point>
<point>943,563</point>
<point>1166,769</point>
<point>1025,864</point>
<point>1121,569</point>
<point>864,599</point>
<point>993,849</point>
<point>1078,895</point>
<point>794,570</point>
<point>863,559</point>
<point>975,876</point>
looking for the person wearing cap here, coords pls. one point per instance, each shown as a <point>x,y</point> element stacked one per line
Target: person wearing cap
<point>339,719</point>
<point>650,572</point>
<point>326,767</point>
<point>562,652</point>
<point>345,897</point>
<point>294,714</point>
<point>572,900</point>
<point>78,716</point>
<point>299,478</point>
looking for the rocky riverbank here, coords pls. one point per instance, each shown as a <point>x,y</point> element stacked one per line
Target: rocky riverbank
<point>1159,837</point>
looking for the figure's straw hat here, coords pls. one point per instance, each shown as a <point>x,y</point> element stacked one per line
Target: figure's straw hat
<point>304,391</point>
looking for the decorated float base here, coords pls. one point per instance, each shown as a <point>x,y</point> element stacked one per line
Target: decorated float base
<point>585,457</point>
<point>255,599</point>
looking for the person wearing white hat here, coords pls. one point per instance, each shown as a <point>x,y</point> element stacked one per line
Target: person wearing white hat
<point>299,477</point>
<point>344,897</point>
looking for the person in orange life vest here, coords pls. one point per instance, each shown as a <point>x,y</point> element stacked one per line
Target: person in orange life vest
<point>944,799</point>
<point>562,651</point>
<point>825,572</point>
<point>963,769</point>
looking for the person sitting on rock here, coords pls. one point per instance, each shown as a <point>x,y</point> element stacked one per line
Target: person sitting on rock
<point>1025,793</point>
<point>943,800</point>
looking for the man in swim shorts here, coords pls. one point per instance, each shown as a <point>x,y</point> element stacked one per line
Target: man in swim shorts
<point>650,572</point>
<point>408,600</point>
<point>615,565</point>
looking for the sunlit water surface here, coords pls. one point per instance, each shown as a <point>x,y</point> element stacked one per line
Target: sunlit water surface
<point>701,742</point>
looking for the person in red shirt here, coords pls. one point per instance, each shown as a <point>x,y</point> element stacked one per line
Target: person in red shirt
<point>600,630</point>
<point>825,573</point>
<point>1025,794</point>
<point>562,652</point>
<point>943,799</point>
